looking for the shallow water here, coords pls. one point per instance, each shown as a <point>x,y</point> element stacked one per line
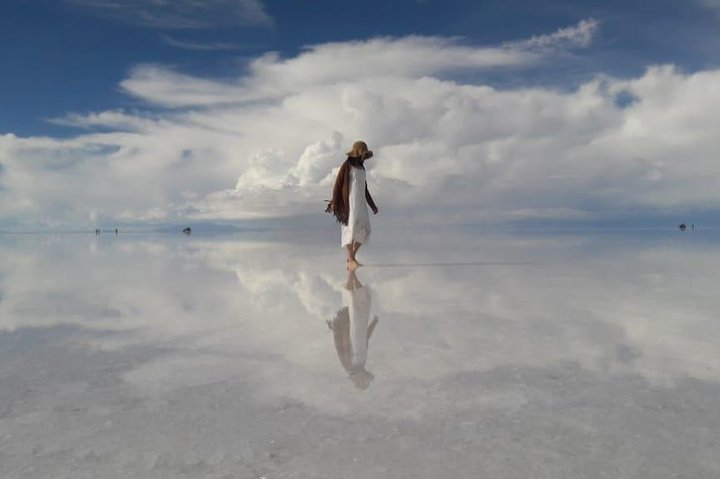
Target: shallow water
<point>156,356</point>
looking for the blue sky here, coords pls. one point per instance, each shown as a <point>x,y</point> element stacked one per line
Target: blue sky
<point>62,56</point>
<point>150,111</point>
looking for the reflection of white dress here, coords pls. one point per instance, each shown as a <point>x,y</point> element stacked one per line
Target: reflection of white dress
<point>358,227</point>
<point>358,303</point>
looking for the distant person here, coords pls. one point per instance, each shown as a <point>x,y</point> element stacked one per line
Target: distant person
<point>350,200</point>
<point>116,231</point>
<point>692,226</point>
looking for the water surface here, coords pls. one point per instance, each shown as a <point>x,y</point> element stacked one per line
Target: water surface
<point>465,354</point>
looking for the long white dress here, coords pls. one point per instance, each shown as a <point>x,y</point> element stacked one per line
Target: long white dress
<point>358,227</point>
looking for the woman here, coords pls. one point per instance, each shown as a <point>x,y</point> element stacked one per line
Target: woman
<point>350,200</point>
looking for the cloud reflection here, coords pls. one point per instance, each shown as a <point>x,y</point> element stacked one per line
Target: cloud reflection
<point>223,309</point>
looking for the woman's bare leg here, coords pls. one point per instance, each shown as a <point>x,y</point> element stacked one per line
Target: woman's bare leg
<point>352,264</point>
<point>356,247</point>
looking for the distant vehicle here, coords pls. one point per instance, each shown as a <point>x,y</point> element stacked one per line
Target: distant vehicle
<point>682,227</point>
<point>187,231</point>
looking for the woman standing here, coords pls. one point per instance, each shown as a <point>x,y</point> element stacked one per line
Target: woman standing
<point>350,200</point>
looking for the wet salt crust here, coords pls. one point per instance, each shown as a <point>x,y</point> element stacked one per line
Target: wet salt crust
<point>513,356</point>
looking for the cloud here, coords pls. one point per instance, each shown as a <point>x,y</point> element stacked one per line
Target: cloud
<point>164,87</point>
<point>713,4</point>
<point>267,143</point>
<point>178,14</point>
<point>117,120</point>
<point>580,35</point>
<point>200,46</point>
<point>271,76</point>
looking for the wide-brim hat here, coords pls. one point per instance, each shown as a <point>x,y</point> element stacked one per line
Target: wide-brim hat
<point>360,148</point>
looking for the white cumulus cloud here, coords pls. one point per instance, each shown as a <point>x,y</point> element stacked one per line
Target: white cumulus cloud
<point>267,143</point>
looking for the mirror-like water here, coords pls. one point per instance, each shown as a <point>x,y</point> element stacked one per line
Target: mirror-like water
<point>455,354</point>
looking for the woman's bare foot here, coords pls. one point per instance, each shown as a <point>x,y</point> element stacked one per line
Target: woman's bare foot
<point>352,265</point>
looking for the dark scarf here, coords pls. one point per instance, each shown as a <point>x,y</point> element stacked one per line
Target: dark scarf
<point>340,203</point>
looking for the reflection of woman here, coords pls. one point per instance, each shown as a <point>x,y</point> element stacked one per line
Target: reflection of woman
<point>351,331</point>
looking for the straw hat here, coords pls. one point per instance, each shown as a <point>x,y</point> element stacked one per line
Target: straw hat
<point>360,149</point>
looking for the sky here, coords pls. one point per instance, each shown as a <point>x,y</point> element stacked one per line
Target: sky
<point>150,111</point>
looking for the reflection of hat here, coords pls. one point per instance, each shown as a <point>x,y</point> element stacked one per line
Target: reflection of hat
<point>360,149</point>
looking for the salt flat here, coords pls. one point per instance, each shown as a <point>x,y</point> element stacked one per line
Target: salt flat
<point>248,356</point>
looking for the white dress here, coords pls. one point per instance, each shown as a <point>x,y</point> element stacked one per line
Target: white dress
<point>358,227</point>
